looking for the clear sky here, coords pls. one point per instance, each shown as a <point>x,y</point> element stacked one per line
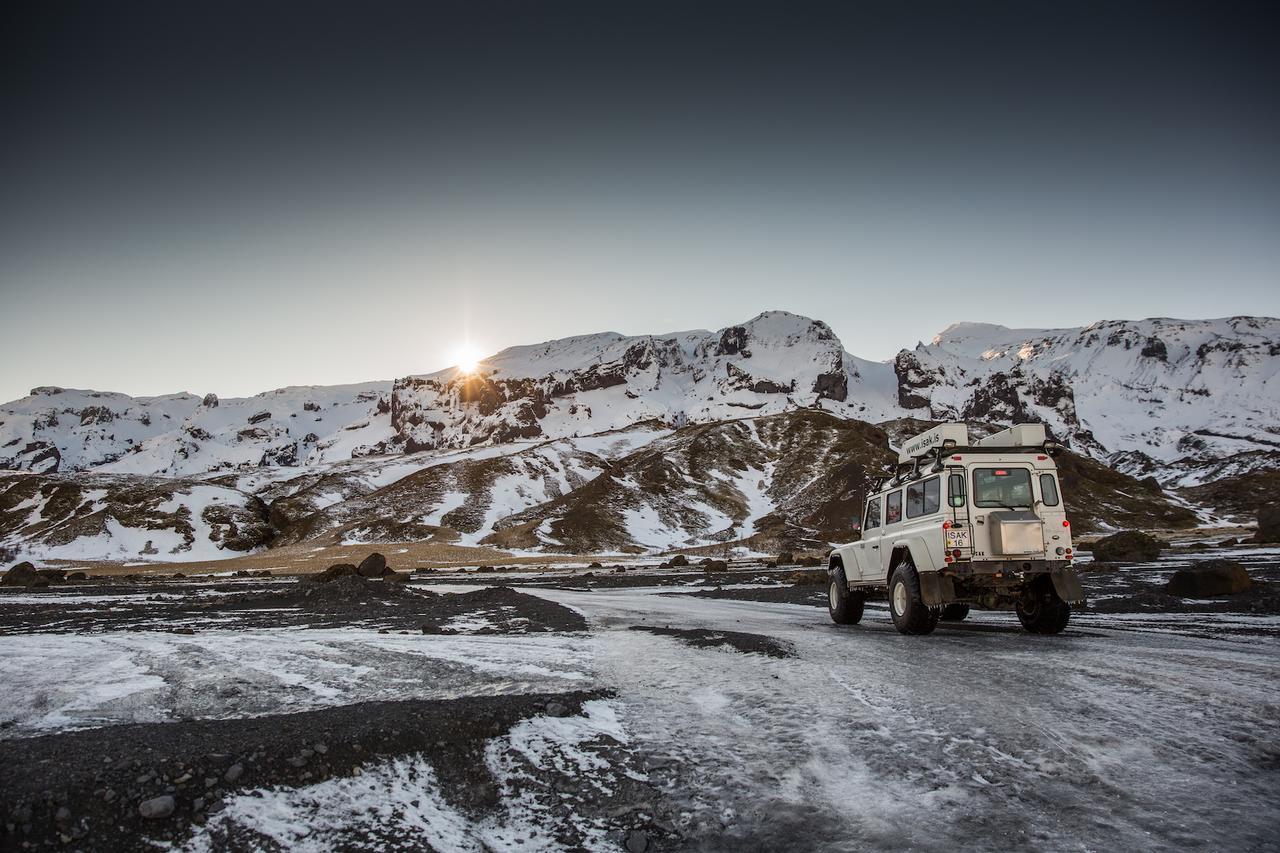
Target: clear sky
<point>235,197</point>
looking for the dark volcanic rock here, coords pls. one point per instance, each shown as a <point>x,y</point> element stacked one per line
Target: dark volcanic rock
<point>1127,546</point>
<point>338,570</point>
<point>157,807</point>
<point>1210,578</point>
<point>373,566</point>
<point>23,574</point>
<point>1269,523</point>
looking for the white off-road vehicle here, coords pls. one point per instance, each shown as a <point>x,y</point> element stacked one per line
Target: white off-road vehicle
<point>959,524</point>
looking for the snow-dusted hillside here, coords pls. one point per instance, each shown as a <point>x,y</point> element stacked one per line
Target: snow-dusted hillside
<point>60,429</point>
<point>1161,392</point>
<point>123,517</point>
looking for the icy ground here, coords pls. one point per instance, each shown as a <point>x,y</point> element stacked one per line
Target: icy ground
<point>1111,736</point>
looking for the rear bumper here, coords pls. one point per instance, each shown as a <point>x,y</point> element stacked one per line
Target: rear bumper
<point>970,568</point>
<point>964,581</point>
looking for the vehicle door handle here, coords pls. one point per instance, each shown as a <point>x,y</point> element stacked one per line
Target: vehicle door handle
<point>875,547</point>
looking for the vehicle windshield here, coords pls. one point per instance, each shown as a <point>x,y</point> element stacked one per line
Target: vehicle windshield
<point>1002,487</point>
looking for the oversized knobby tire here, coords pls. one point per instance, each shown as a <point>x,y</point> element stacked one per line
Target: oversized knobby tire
<point>955,612</point>
<point>906,606</point>
<point>844,606</point>
<point>1041,611</point>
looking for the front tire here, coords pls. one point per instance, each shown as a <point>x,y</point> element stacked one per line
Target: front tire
<point>1041,611</point>
<point>844,606</point>
<point>906,606</point>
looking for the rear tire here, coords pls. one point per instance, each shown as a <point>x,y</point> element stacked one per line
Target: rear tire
<point>910,615</point>
<point>955,612</point>
<point>844,606</point>
<point>1041,611</point>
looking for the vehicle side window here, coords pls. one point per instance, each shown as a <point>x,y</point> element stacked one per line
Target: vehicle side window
<point>873,514</point>
<point>1049,490</point>
<point>955,488</point>
<point>923,497</point>
<point>893,508</point>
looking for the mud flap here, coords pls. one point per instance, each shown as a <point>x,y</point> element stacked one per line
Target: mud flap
<point>936,590</point>
<point>1067,584</point>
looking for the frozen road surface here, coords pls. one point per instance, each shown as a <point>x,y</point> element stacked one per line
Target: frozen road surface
<point>979,736</point>
<point>1125,733</point>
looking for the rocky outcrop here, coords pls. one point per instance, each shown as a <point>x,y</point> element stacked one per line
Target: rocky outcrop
<point>1128,546</point>
<point>1208,579</point>
<point>1268,523</point>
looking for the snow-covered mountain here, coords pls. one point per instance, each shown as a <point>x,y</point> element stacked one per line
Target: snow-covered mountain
<point>593,441</point>
<point>1160,396</point>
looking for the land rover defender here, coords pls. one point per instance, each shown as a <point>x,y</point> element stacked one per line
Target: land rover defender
<point>958,525</point>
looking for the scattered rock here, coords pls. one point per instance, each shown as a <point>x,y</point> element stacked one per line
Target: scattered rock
<point>157,807</point>
<point>77,576</point>
<point>1127,546</point>
<point>338,570</point>
<point>637,841</point>
<point>678,560</point>
<point>809,562</point>
<point>810,578</point>
<point>23,574</point>
<point>557,709</point>
<point>1210,578</point>
<point>373,566</point>
<point>233,774</point>
<point>1268,523</point>
<point>594,566</point>
<point>53,575</point>
<point>715,565</point>
<point>786,558</point>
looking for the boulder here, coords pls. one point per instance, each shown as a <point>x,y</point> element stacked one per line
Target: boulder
<point>157,807</point>
<point>77,576</point>
<point>393,576</point>
<point>23,574</point>
<point>1268,523</point>
<point>373,566</point>
<point>809,562</point>
<point>1209,578</point>
<point>334,572</point>
<point>1127,546</point>
<point>786,558</point>
<point>679,560</point>
<point>715,565</point>
<point>810,578</point>
<point>53,575</point>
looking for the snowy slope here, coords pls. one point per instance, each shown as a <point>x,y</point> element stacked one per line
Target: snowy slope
<point>121,517</point>
<point>1166,391</point>
<point>56,429</point>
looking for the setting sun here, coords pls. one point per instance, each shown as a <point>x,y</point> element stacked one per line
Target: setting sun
<point>467,358</point>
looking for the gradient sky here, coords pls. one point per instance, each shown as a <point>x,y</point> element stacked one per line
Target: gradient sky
<point>234,197</point>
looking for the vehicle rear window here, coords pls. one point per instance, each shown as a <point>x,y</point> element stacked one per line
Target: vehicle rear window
<point>924,498</point>
<point>955,488</point>
<point>873,514</point>
<point>893,508</point>
<point>1002,487</point>
<point>1049,490</point>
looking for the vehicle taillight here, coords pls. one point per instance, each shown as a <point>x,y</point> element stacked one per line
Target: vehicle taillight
<point>947,559</point>
<point>1066,523</point>
<point>946,525</point>
<point>956,458</point>
<point>1041,458</point>
<point>956,553</point>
